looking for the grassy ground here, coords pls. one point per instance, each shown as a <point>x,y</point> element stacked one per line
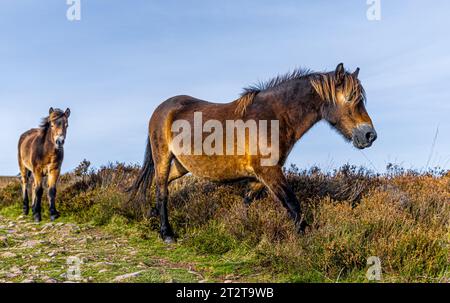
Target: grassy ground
<point>401,217</point>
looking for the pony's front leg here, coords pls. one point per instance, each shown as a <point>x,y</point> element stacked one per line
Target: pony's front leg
<point>52,180</point>
<point>26,203</point>
<point>274,179</point>
<point>37,196</point>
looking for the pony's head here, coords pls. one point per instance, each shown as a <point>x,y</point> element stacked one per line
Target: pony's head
<point>344,106</point>
<point>56,124</point>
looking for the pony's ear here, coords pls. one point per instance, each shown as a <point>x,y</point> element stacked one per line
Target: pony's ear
<point>67,113</point>
<point>356,73</point>
<point>51,110</point>
<point>340,73</point>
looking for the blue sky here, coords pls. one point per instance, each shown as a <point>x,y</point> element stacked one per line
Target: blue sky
<point>123,58</point>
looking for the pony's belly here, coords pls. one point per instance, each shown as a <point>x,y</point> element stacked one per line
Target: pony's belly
<point>217,168</point>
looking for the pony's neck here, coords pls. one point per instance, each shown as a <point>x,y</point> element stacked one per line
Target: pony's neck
<point>302,107</point>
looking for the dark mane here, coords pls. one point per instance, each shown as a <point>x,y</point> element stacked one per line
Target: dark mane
<point>251,91</point>
<point>45,122</point>
<point>44,125</point>
<point>323,83</point>
<point>277,81</point>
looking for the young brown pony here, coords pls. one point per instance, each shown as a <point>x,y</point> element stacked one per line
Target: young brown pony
<point>41,152</point>
<point>296,101</point>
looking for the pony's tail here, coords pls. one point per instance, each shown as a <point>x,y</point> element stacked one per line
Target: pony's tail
<point>145,178</point>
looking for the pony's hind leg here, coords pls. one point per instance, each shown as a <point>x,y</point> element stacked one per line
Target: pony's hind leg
<point>176,171</point>
<point>52,179</point>
<point>255,192</point>
<point>24,176</point>
<point>37,196</point>
<point>162,159</point>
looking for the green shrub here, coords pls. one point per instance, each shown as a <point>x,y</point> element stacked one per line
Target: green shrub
<point>211,239</point>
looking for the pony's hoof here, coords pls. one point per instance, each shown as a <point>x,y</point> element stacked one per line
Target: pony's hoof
<point>169,240</point>
<point>37,218</point>
<point>54,217</point>
<point>247,201</point>
<point>303,228</point>
<point>153,213</point>
<point>26,211</point>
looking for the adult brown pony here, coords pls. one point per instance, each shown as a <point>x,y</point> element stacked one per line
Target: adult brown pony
<point>41,153</point>
<point>297,101</point>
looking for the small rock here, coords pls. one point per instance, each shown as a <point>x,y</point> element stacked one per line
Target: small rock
<point>8,255</point>
<point>98,264</point>
<point>51,254</point>
<point>14,272</point>
<point>86,240</point>
<point>30,244</point>
<point>30,280</point>
<point>227,281</point>
<point>44,260</point>
<point>11,275</point>
<point>127,276</point>
<point>102,270</point>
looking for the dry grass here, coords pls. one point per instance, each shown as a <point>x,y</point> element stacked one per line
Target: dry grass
<point>4,181</point>
<point>401,217</point>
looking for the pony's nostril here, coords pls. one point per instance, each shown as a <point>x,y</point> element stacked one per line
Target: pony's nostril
<point>371,136</point>
<point>60,142</point>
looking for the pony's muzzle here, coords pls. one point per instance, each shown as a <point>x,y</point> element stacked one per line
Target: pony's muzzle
<point>363,136</point>
<point>60,142</point>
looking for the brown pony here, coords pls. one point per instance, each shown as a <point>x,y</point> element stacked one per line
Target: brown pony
<point>41,152</point>
<point>294,102</point>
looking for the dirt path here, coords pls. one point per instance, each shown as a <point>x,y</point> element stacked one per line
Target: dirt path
<point>62,252</point>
